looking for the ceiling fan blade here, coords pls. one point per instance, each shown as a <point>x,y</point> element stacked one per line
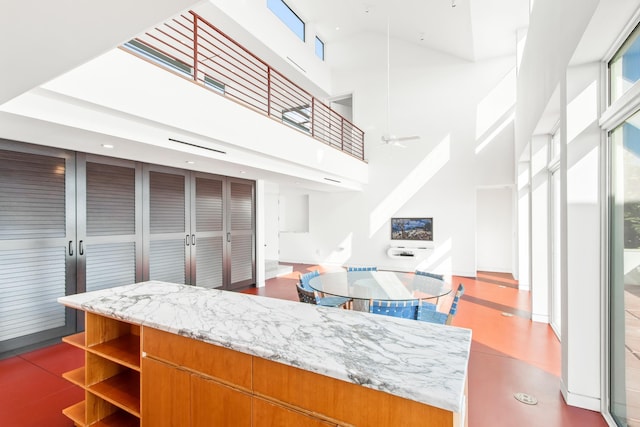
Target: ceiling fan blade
<point>406,138</point>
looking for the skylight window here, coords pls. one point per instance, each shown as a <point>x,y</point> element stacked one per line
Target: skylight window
<point>319,48</point>
<point>158,56</point>
<point>287,16</point>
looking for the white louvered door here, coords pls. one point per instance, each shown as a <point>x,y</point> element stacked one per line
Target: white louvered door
<point>241,233</point>
<point>207,226</point>
<point>110,230</point>
<point>167,228</point>
<point>37,243</point>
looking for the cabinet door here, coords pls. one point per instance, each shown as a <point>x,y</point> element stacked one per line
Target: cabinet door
<point>241,233</point>
<point>167,231</point>
<point>109,222</point>
<point>207,227</point>
<point>213,404</point>
<point>267,414</point>
<point>164,395</point>
<point>37,243</point>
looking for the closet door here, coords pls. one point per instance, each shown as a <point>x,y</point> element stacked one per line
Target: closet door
<point>167,229</point>
<point>207,225</point>
<point>241,233</point>
<point>109,222</point>
<point>37,243</point>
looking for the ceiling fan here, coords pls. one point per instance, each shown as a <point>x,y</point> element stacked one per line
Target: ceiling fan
<point>388,138</point>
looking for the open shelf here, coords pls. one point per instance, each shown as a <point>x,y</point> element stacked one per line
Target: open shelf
<point>124,350</point>
<point>111,375</point>
<point>122,390</point>
<point>76,413</point>
<point>76,340</point>
<point>407,252</point>
<point>118,419</point>
<point>76,377</point>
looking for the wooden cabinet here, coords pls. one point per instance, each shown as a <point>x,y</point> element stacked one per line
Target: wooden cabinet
<point>215,404</point>
<point>111,375</point>
<point>269,414</point>
<point>169,380</point>
<point>166,395</point>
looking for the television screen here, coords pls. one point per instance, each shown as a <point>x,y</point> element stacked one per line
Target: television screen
<point>412,229</point>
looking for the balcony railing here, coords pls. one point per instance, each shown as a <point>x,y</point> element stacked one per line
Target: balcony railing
<point>194,48</point>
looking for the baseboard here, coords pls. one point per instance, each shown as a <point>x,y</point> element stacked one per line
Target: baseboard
<point>580,401</point>
<point>541,318</point>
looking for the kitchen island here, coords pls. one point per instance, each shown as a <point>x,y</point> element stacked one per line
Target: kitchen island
<point>167,354</point>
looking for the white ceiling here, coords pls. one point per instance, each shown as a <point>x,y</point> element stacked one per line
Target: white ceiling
<point>472,30</point>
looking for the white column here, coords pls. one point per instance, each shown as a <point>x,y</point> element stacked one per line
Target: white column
<point>581,222</point>
<point>540,228</point>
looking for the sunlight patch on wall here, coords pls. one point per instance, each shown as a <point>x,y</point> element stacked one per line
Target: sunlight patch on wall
<point>341,254</point>
<point>496,105</point>
<point>439,261</point>
<point>582,111</point>
<point>539,159</point>
<point>582,182</point>
<point>410,185</point>
<point>523,179</point>
<point>496,131</point>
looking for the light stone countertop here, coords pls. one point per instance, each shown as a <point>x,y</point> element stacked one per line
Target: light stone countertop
<point>419,361</point>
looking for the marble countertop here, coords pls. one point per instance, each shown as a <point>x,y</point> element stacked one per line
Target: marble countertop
<point>419,361</point>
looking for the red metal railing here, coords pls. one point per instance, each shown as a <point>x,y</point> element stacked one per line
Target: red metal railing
<point>194,48</point>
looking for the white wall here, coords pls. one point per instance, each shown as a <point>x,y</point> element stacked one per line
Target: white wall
<point>494,237</point>
<point>581,343</point>
<point>555,28</point>
<point>461,111</point>
<point>524,224</point>
<point>273,41</point>
<point>540,231</point>
<point>142,102</point>
<point>271,222</point>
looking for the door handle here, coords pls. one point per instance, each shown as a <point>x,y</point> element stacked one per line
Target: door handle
<point>193,240</point>
<point>228,237</point>
<point>80,248</point>
<point>187,240</point>
<point>70,247</point>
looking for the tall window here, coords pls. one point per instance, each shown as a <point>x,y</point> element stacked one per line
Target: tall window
<point>287,16</point>
<point>624,68</point>
<point>319,48</point>
<point>624,288</point>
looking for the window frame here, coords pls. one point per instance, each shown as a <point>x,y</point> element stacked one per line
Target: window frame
<point>319,40</point>
<point>294,15</point>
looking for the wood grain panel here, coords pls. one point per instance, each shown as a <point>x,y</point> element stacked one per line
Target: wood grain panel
<point>166,395</point>
<point>214,404</point>
<point>340,400</point>
<point>226,365</point>
<point>267,414</point>
<point>100,329</point>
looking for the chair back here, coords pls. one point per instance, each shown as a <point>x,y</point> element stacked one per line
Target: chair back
<point>403,309</point>
<point>304,279</point>
<point>454,305</point>
<point>362,268</point>
<point>433,275</point>
<point>427,314</point>
<point>305,295</point>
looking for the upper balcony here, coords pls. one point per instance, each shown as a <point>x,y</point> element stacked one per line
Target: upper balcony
<point>193,48</point>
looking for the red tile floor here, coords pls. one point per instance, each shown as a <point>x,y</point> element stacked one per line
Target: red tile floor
<point>509,354</point>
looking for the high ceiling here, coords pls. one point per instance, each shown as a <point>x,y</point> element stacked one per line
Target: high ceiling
<point>473,29</point>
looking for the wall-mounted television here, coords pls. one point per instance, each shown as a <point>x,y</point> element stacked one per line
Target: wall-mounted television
<point>412,229</point>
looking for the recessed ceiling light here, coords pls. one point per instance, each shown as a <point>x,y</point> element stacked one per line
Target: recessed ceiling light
<point>243,172</point>
<point>337,28</point>
<point>191,162</point>
<point>107,146</point>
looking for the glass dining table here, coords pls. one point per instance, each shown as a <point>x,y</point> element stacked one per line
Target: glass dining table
<point>364,286</point>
